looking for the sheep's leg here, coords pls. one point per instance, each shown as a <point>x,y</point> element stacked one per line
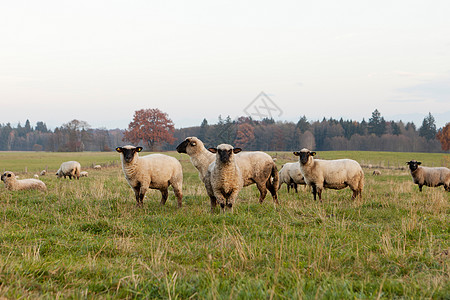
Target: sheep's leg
<point>420,187</point>
<point>139,196</point>
<point>288,187</point>
<point>164,195</point>
<point>295,187</point>
<point>319,191</point>
<point>272,190</point>
<point>262,191</point>
<point>314,191</point>
<point>213,201</point>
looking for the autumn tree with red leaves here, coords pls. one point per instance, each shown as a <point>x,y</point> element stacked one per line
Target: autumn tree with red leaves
<point>444,137</point>
<point>245,135</point>
<point>151,126</point>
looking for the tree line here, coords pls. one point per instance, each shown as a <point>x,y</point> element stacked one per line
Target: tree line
<point>153,129</point>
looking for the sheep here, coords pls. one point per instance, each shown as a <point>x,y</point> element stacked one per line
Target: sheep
<point>69,168</point>
<point>36,176</point>
<point>13,184</point>
<point>154,171</point>
<point>84,174</point>
<point>43,173</point>
<point>428,176</point>
<point>256,167</point>
<point>333,174</point>
<point>97,167</point>
<point>291,175</point>
<point>376,173</point>
<point>224,176</point>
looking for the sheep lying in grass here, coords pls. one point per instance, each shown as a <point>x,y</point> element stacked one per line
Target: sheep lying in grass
<point>332,174</point>
<point>14,184</point>
<point>224,176</point>
<point>97,167</point>
<point>84,174</point>
<point>69,168</point>
<point>154,171</point>
<point>291,175</point>
<point>256,167</point>
<point>427,176</point>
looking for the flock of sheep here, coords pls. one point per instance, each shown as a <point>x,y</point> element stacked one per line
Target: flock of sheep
<point>225,170</point>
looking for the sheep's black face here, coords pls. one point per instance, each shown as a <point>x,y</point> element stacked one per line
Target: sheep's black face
<point>187,146</point>
<point>225,155</point>
<point>4,175</point>
<point>128,152</point>
<point>304,156</point>
<point>181,148</point>
<point>413,165</point>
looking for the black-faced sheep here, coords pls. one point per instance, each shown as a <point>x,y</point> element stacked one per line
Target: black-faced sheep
<point>154,171</point>
<point>224,176</point>
<point>291,175</point>
<point>376,173</point>
<point>332,174</point>
<point>428,176</point>
<point>14,184</point>
<point>69,168</point>
<point>256,167</point>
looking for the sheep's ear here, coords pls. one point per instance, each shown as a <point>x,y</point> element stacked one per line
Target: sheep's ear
<point>237,150</point>
<point>419,163</point>
<point>212,150</point>
<point>139,149</point>
<point>296,153</point>
<point>119,149</point>
<point>313,153</point>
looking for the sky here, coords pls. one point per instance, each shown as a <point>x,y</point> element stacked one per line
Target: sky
<point>100,61</point>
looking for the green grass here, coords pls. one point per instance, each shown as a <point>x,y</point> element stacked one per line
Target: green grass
<point>87,238</point>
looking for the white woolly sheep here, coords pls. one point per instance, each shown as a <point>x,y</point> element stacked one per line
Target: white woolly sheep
<point>13,184</point>
<point>332,174</point>
<point>97,167</point>
<point>154,171</point>
<point>84,174</point>
<point>376,173</point>
<point>69,168</point>
<point>428,176</point>
<point>43,173</point>
<point>224,176</point>
<point>291,175</point>
<point>256,167</point>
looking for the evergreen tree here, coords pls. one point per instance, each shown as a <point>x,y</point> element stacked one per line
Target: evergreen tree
<point>303,124</point>
<point>377,124</point>
<point>428,128</point>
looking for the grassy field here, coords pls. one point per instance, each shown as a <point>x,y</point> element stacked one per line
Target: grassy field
<point>87,238</point>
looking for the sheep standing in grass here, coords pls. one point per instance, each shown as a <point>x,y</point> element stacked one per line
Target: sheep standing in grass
<point>427,176</point>
<point>97,167</point>
<point>69,168</point>
<point>224,176</point>
<point>376,173</point>
<point>256,167</point>
<point>291,175</point>
<point>84,174</point>
<point>154,171</point>
<point>14,184</point>
<point>332,174</point>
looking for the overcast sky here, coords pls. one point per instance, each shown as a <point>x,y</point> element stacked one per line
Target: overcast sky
<point>100,61</point>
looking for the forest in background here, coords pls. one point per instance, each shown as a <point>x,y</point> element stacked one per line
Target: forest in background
<point>376,134</point>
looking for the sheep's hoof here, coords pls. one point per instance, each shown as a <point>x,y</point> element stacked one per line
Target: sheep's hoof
<point>222,205</point>
<point>229,205</point>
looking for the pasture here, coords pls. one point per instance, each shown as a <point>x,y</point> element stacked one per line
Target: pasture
<point>87,239</point>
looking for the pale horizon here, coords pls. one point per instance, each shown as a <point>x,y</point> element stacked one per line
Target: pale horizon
<point>100,61</point>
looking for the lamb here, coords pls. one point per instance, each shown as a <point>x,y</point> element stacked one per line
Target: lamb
<point>376,173</point>
<point>224,176</point>
<point>291,175</point>
<point>428,176</point>
<point>13,184</point>
<point>84,174</point>
<point>154,171</point>
<point>333,174</point>
<point>69,168</point>
<point>256,167</point>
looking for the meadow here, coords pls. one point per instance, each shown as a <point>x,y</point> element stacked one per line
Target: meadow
<point>87,239</point>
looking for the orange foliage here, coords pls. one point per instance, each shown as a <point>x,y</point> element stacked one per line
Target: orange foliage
<point>244,136</point>
<point>151,126</point>
<point>444,137</point>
